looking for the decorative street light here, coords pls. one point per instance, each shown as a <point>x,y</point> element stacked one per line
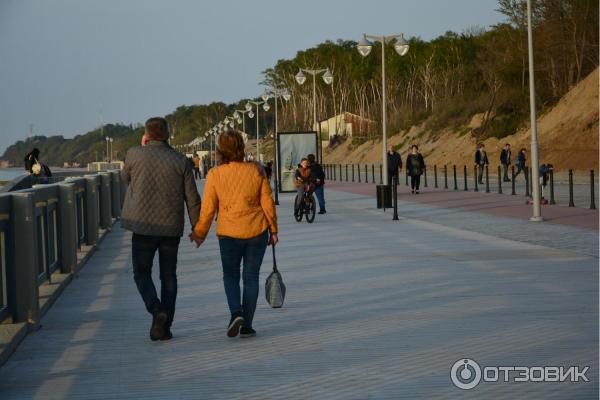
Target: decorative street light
<point>364,48</point>
<point>327,78</point>
<point>535,160</point>
<point>251,115</point>
<point>276,94</point>
<point>240,116</point>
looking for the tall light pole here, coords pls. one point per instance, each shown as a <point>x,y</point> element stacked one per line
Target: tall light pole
<point>535,160</point>
<point>327,78</point>
<point>266,107</point>
<point>276,94</point>
<point>364,48</point>
<point>107,141</point>
<point>111,149</point>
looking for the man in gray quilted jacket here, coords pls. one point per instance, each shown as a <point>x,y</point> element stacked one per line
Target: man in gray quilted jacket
<point>159,181</point>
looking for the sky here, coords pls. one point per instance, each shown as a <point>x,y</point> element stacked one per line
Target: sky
<point>67,66</point>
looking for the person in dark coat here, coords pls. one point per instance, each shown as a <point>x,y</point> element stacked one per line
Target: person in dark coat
<point>394,164</point>
<point>319,175</point>
<point>31,159</point>
<point>481,160</point>
<point>521,162</point>
<point>415,165</point>
<point>505,157</point>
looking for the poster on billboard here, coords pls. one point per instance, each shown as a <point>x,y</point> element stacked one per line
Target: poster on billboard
<point>292,147</point>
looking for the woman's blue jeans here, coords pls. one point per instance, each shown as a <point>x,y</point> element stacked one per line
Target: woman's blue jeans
<point>250,252</point>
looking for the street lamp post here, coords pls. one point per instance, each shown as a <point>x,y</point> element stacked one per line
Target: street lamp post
<point>249,108</point>
<point>107,144</point>
<point>364,48</point>
<point>535,161</point>
<point>241,118</point>
<point>276,94</point>
<point>111,150</point>
<point>327,78</point>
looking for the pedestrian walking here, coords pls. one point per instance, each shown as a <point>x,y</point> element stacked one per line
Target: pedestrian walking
<point>415,165</point>
<point>247,223</point>
<point>505,157</point>
<point>394,164</point>
<point>160,180</point>
<point>40,172</point>
<point>319,176</point>
<point>521,162</point>
<point>481,160</point>
<point>196,161</point>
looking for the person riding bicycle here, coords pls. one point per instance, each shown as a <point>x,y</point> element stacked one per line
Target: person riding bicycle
<point>303,177</point>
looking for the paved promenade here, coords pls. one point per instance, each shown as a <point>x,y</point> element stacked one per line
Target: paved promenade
<point>376,309</point>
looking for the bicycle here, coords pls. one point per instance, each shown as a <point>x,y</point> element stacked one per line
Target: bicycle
<point>306,205</point>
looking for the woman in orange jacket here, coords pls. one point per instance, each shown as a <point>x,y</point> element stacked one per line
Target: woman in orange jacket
<point>246,224</point>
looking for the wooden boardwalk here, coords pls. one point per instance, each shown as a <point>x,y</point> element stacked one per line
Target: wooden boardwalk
<point>375,310</point>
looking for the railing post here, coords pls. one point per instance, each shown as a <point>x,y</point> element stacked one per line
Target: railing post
<point>115,191</point>
<point>380,174</point>
<point>25,293</point>
<point>92,214</point>
<point>455,183</point>
<point>571,203</point>
<point>512,171</point>
<point>341,178</point>
<point>395,194</point>
<point>425,176</point>
<point>366,173</point>
<point>346,172</point>
<point>435,182</point>
<point>499,180</point>
<point>358,170</point>
<point>68,228</point>
<point>352,172</point>
<point>531,182</point>
<point>105,203</point>
<point>552,201</point>
<point>465,178</point>
<point>334,172</point>
<point>373,173</point>
<point>592,191</point>
<point>526,171</point>
<point>487,179</point>
<point>445,177</point>
<point>475,179</point>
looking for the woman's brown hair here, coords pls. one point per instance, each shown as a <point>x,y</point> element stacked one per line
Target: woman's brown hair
<point>230,146</point>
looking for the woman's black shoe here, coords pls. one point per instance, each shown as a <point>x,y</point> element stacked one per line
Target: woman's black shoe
<point>168,335</point>
<point>247,333</point>
<point>157,331</point>
<point>234,325</point>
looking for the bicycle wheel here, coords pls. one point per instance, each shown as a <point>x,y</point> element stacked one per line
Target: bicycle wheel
<point>311,209</point>
<point>297,210</point>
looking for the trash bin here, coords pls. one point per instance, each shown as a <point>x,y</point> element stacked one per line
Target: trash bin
<point>384,196</point>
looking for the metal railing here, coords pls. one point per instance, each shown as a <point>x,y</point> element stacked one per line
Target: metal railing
<point>42,228</point>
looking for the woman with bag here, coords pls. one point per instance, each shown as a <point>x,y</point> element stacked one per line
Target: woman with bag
<point>246,224</point>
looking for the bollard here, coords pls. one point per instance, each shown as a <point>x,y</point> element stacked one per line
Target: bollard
<point>531,182</point>
<point>552,187</point>
<point>346,172</point>
<point>406,176</point>
<point>115,189</point>
<point>341,178</point>
<point>487,179</point>
<point>380,174</point>
<point>455,183</point>
<point>499,180</point>
<point>366,173</point>
<point>445,177</point>
<point>92,214</point>
<point>435,182</point>
<point>425,176</point>
<point>105,203</point>
<point>571,203</point>
<point>358,170</point>
<point>512,171</point>
<point>67,210</point>
<point>475,179</point>
<point>373,173</point>
<point>395,194</point>
<point>334,172</point>
<point>592,191</point>
<point>526,171</point>
<point>23,298</point>
<point>465,177</point>
<point>352,172</point>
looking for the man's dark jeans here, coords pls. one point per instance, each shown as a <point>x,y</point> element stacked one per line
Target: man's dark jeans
<point>251,252</point>
<point>143,248</point>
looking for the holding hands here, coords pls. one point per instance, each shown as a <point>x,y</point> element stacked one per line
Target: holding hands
<point>196,239</point>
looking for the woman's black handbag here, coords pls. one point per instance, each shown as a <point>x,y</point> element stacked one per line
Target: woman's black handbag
<point>274,286</point>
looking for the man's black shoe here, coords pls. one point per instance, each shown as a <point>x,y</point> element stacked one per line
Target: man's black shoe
<point>157,331</point>
<point>247,333</point>
<point>322,212</point>
<point>234,325</point>
<point>168,335</point>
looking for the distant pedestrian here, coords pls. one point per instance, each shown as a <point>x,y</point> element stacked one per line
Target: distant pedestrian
<point>521,162</point>
<point>269,170</point>
<point>247,223</point>
<point>415,165</point>
<point>481,160</point>
<point>319,175</point>
<point>160,180</point>
<point>40,172</point>
<point>505,157</point>
<point>196,161</point>
<point>394,165</point>
<point>544,172</point>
